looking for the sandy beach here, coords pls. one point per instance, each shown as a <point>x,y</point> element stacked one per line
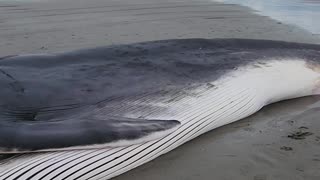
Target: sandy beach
<point>282,141</point>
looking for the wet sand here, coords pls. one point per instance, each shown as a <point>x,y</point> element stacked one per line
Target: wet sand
<point>280,142</point>
<point>72,24</point>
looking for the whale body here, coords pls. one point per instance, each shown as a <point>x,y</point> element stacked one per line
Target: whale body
<point>97,113</point>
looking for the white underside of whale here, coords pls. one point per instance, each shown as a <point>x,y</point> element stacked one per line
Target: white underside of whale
<point>234,96</point>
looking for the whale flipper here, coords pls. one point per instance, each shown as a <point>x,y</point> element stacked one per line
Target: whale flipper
<point>77,134</point>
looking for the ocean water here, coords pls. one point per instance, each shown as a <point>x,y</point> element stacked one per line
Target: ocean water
<point>302,13</point>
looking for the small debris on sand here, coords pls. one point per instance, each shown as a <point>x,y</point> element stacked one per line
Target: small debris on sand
<point>300,134</point>
<point>286,148</point>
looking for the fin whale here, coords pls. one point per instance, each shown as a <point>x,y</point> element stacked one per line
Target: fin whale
<point>115,108</point>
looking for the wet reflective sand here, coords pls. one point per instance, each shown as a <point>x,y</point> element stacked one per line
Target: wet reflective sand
<point>302,13</point>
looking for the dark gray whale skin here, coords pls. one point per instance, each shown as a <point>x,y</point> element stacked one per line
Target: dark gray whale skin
<point>50,101</point>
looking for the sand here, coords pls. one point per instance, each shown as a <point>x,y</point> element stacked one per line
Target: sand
<point>72,24</point>
<point>256,148</point>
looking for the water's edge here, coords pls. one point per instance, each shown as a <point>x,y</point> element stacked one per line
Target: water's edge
<point>301,13</point>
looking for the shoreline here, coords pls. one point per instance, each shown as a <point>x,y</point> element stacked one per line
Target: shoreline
<point>59,27</point>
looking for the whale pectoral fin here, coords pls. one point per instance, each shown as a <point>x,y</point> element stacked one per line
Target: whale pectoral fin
<point>81,134</point>
<point>139,130</point>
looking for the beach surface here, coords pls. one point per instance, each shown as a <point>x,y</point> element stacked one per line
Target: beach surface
<point>282,141</point>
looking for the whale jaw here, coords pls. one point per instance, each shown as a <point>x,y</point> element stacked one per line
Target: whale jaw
<point>280,79</point>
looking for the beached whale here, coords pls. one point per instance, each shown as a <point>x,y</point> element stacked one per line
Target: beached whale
<point>115,108</point>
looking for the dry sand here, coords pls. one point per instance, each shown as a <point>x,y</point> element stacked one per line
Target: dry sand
<point>256,148</point>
